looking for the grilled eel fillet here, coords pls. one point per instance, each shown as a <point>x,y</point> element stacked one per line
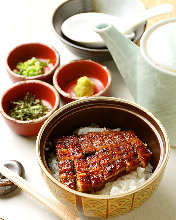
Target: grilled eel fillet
<point>87,162</point>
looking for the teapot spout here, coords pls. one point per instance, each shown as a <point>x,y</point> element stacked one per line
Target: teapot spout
<point>124,52</point>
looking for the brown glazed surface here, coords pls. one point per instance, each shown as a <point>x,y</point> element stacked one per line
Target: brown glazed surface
<point>111,113</point>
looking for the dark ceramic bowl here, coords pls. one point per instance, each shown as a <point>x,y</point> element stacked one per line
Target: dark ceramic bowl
<point>65,78</point>
<point>25,52</point>
<point>119,8</point>
<point>111,113</point>
<point>46,92</point>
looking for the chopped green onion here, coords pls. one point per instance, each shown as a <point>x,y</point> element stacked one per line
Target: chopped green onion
<point>32,67</point>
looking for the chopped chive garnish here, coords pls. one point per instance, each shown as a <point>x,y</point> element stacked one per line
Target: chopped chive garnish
<point>28,109</point>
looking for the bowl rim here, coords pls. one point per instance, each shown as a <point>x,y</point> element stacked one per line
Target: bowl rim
<point>77,46</point>
<point>56,105</point>
<point>159,169</point>
<point>68,41</point>
<point>38,77</point>
<point>67,95</point>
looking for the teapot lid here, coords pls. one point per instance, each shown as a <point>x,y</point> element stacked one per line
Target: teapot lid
<point>160,45</point>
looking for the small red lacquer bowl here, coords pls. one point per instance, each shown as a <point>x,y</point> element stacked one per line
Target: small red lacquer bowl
<point>46,92</point>
<point>66,76</point>
<point>25,52</point>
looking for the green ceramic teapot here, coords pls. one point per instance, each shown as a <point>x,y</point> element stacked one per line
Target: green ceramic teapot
<point>149,71</point>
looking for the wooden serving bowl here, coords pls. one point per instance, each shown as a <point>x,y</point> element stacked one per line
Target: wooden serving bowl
<point>40,89</point>
<point>26,51</point>
<point>111,113</point>
<point>65,78</point>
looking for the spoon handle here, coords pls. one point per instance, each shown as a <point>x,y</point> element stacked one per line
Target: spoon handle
<point>134,20</point>
<point>49,202</point>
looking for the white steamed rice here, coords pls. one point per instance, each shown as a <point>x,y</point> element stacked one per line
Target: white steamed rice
<point>123,184</point>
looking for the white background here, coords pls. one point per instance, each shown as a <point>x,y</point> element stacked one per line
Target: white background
<point>28,21</point>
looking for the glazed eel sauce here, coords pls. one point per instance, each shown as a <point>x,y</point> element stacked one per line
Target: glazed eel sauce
<point>87,162</point>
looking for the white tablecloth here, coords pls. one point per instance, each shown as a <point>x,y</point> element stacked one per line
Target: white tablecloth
<point>30,21</point>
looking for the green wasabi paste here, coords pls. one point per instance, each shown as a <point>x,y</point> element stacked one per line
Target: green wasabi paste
<point>84,87</point>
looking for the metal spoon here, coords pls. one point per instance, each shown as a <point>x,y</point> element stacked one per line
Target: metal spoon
<point>79,27</point>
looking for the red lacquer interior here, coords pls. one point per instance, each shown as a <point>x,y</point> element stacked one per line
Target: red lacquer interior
<point>68,75</point>
<point>27,51</point>
<point>39,90</point>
